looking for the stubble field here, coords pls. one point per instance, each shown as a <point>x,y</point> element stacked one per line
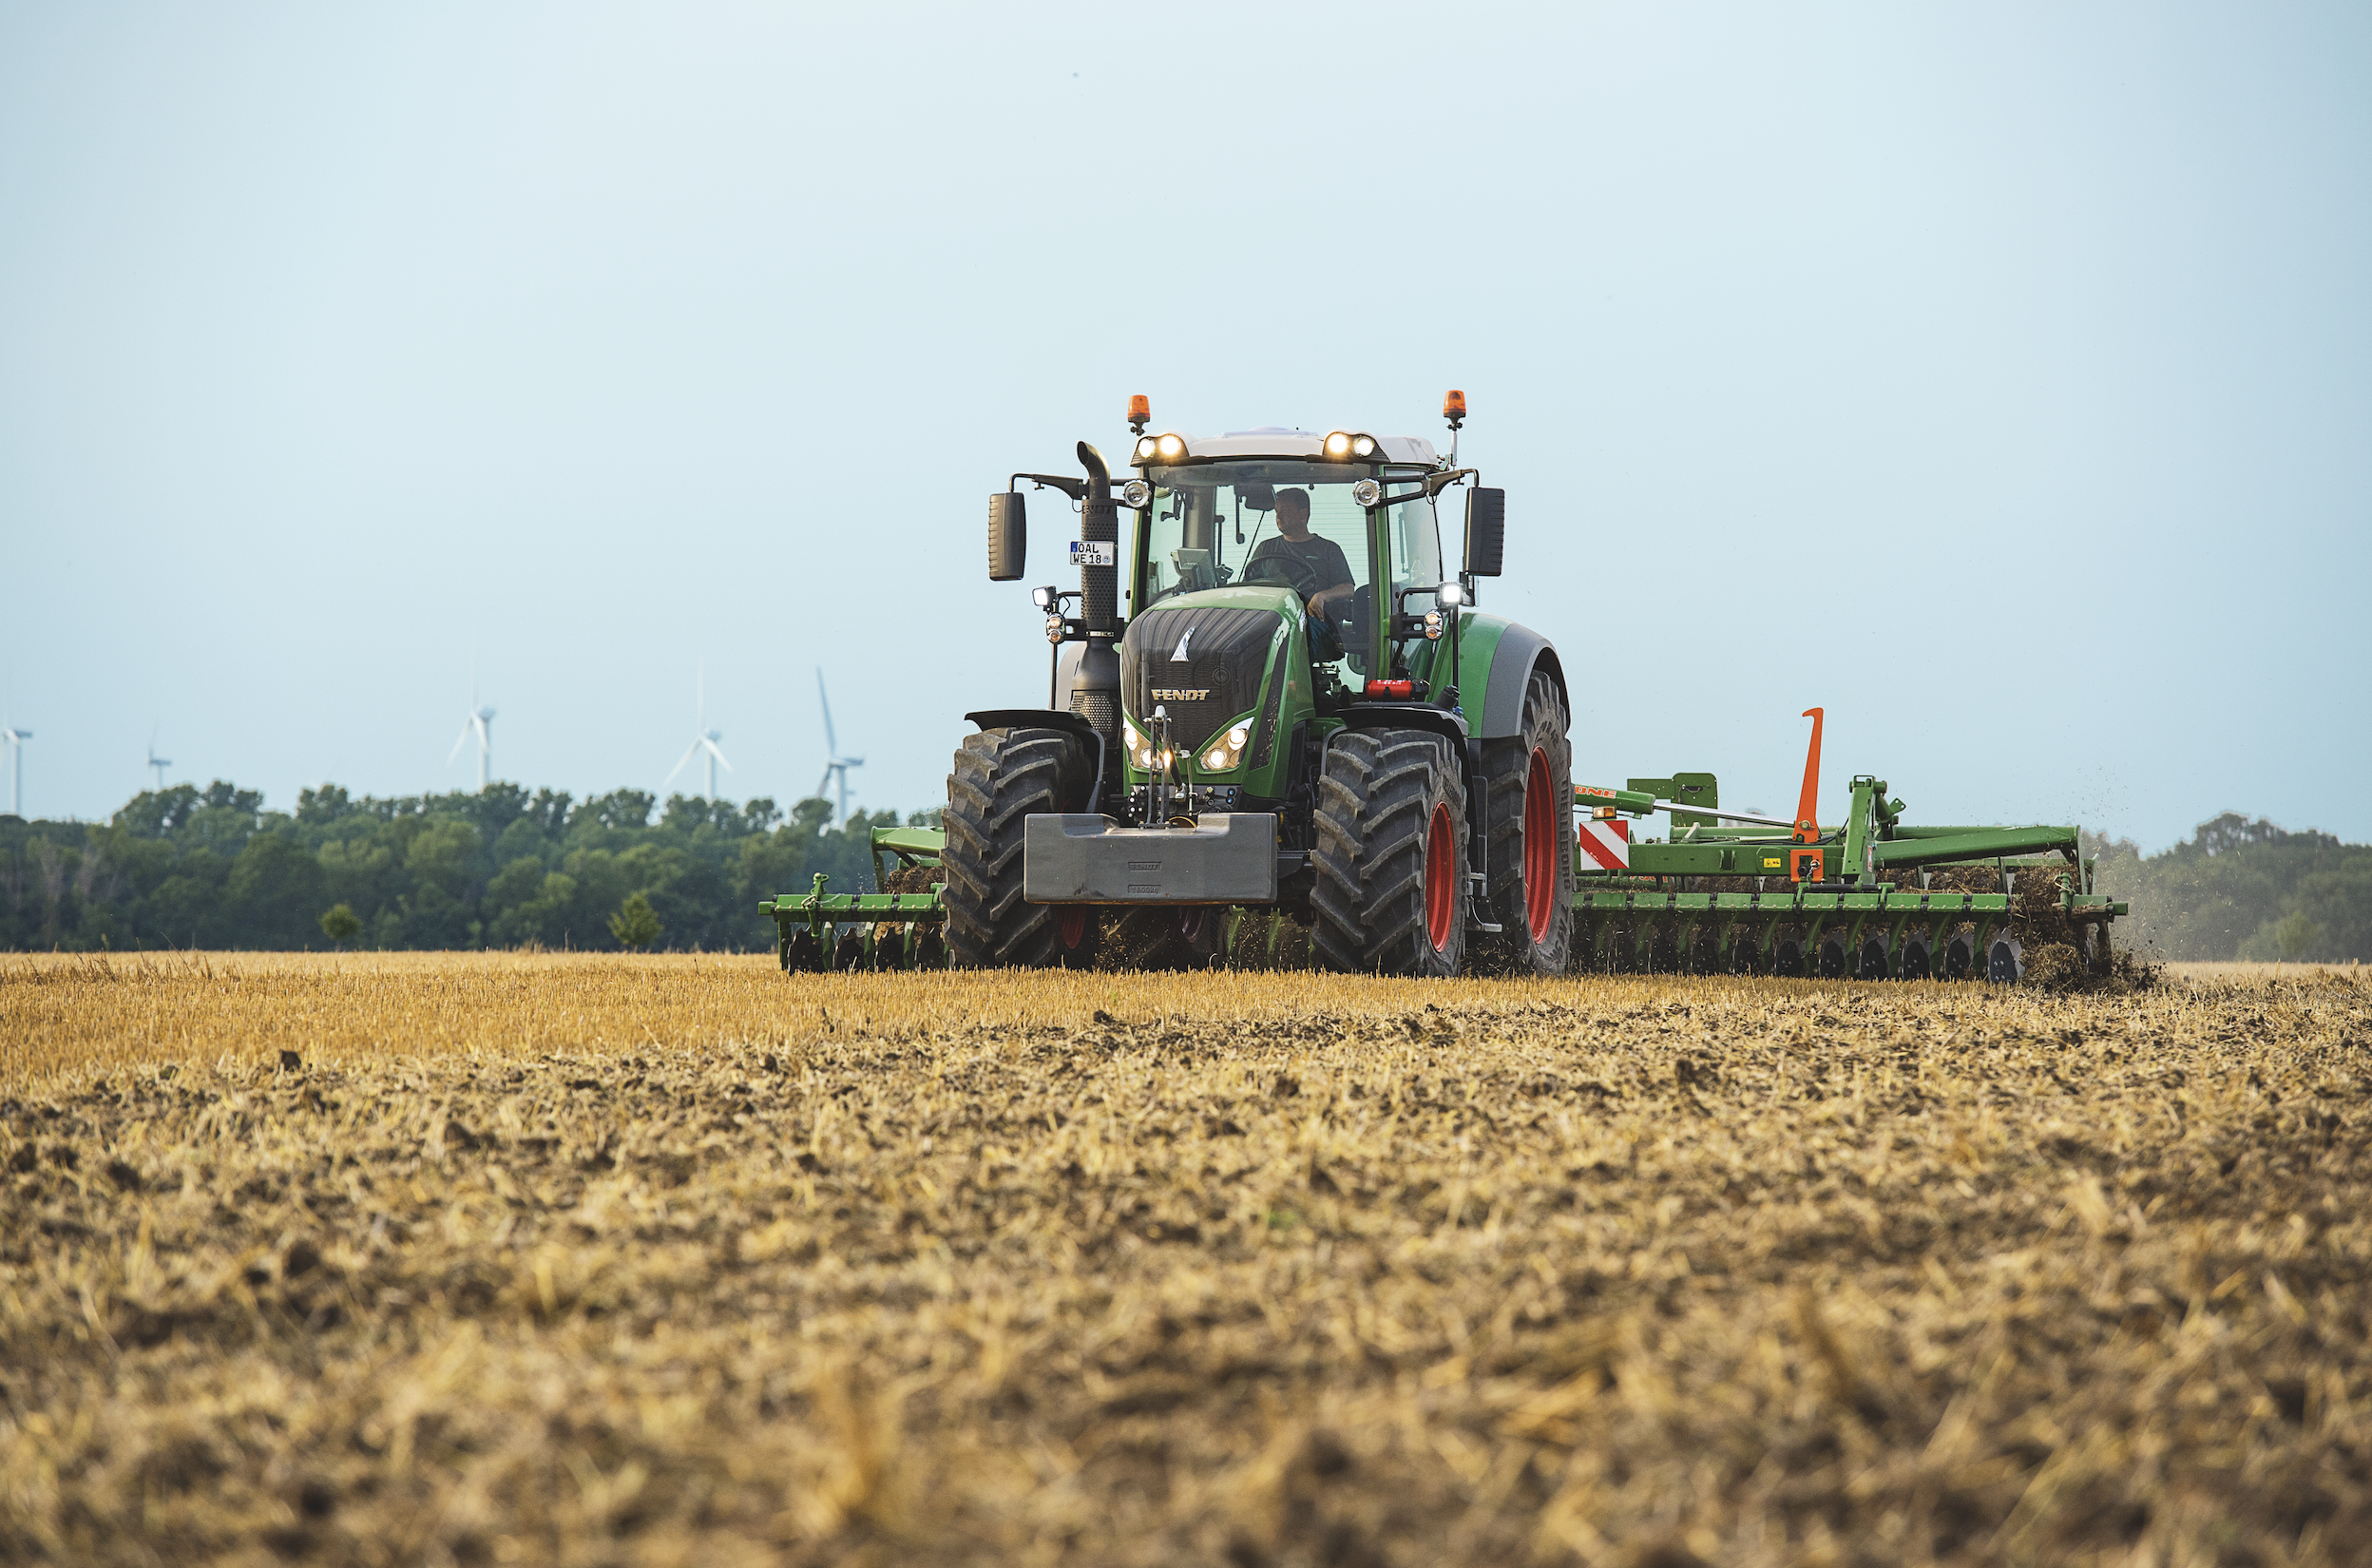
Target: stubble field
<point>397,1260</point>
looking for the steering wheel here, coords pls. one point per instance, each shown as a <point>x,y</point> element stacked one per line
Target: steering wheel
<point>1288,571</point>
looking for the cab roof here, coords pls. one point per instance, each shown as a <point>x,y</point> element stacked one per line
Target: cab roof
<point>1277,441</point>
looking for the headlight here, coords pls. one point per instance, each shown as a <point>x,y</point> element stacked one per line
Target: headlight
<point>1146,447</point>
<point>1139,749</point>
<point>1135,493</point>
<point>1170,447</point>
<point>1363,446</point>
<point>1433,624</point>
<point>1338,445</point>
<point>1367,492</point>
<point>1227,750</point>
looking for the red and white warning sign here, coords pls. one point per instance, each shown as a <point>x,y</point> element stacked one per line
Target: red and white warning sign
<point>1607,842</point>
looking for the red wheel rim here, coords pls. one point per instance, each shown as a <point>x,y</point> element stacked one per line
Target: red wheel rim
<point>1441,879</point>
<point>1071,925</point>
<point>1540,848</point>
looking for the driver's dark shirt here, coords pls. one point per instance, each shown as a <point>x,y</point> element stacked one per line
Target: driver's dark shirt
<point>1321,555</point>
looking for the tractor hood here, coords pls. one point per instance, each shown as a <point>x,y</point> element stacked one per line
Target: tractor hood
<point>1201,655</point>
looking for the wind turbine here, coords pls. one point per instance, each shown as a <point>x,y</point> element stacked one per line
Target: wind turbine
<point>157,764</point>
<point>14,739</point>
<point>480,723</point>
<point>703,739</point>
<point>835,766</point>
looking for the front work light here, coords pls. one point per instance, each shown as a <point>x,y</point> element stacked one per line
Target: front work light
<point>1042,597</point>
<point>1450,595</point>
<point>1228,750</point>
<point>1135,493</point>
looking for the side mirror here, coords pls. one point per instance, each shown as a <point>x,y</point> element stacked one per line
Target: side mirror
<point>1486,531</point>
<point>1008,536</point>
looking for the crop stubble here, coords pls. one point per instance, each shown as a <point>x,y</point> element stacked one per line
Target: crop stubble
<point>590,1260</point>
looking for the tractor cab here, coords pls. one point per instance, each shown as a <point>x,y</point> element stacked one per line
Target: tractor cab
<point>1262,579</point>
<point>1283,515</point>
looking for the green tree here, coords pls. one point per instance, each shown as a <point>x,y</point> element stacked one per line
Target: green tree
<point>340,923</point>
<point>2296,934</point>
<point>636,924</point>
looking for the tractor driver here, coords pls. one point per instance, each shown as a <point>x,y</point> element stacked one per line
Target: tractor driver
<point>1314,568</point>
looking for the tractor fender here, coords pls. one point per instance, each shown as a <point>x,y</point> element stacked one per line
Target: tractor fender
<point>1519,651</point>
<point>1399,716</point>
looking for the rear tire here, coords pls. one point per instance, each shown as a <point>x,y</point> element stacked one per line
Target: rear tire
<point>1000,777</point>
<point>1391,894</point>
<point>1530,838</point>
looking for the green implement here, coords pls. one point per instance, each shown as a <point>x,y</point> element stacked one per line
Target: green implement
<point>902,930</point>
<point>1833,901</point>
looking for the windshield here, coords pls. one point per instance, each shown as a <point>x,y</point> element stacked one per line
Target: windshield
<point>1283,522</point>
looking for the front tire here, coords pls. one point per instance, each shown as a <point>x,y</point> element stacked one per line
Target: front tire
<point>1000,777</point>
<point>1529,837</point>
<point>1392,894</point>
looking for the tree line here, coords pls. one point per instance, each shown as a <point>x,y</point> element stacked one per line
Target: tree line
<point>2244,889</point>
<point>504,867</point>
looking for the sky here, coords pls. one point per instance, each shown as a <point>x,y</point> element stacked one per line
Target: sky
<point>1996,378</point>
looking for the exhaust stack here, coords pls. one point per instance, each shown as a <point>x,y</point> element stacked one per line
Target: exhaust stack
<point>1096,684</point>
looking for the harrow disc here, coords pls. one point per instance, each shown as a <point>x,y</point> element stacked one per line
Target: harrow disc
<point>2005,961</point>
<point>1917,962</point>
<point>1832,957</point>
<point>849,952</point>
<point>1786,959</point>
<point>890,948</point>
<point>806,955</point>
<point>1960,956</point>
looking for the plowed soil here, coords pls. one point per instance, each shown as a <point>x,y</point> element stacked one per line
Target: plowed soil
<point>507,1259</point>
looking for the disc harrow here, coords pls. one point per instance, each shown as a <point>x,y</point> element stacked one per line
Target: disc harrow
<point>1743,894</point>
<point>904,928</point>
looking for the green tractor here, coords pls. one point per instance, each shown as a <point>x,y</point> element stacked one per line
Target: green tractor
<point>1271,696</point>
<point>1270,701</point>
